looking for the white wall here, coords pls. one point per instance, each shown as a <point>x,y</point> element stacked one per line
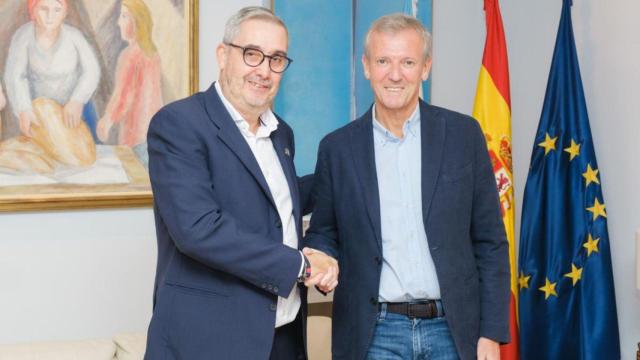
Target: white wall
<point>88,274</point>
<point>609,53</point>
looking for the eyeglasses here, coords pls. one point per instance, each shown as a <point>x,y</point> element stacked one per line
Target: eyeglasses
<point>254,57</point>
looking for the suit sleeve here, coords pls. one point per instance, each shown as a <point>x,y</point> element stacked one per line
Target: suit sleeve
<point>490,246</point>
<point>200,228</point>
<point>323,233</point>
<point>305,183</point>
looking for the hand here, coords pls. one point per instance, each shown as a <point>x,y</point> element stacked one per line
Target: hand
<point>488,349</point>
<point>324,270</point>
<point>104,125</point>
<point>27,119</point>
<point>72,113</point>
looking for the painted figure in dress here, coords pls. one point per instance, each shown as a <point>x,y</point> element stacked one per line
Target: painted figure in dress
<point>137,93</point>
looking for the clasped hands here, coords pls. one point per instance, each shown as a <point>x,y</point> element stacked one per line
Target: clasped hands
<point>324,270</point>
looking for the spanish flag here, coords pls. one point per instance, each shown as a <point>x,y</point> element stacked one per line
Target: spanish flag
<point>492,109</point>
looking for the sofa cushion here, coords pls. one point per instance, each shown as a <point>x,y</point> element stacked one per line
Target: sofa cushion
<point>130,346</point>
<point>60,350</point>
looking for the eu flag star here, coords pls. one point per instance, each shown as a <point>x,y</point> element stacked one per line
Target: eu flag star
<point>597,209</point>
<point>591,245</point>
<point>575,274</point>
<point>591,175</point>
<point>549,289</point>
<point>548,144</point>
<point>573,150</point>
<point>523,281</point>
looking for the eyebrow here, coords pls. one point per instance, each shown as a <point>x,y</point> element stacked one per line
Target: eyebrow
<point>257,47</point>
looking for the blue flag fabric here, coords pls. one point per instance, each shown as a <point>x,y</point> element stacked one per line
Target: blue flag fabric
<point>567,302</point>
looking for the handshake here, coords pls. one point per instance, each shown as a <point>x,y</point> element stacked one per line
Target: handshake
<point>324,270</point>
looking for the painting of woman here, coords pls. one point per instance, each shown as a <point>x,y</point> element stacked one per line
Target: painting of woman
<point>137,94</point>
<point>50,59</point>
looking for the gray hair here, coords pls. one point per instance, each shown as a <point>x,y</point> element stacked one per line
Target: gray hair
<point>232,28</point>
<point>395,23</point>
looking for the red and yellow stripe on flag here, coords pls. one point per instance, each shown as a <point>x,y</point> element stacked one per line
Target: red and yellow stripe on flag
<point>492,109</point>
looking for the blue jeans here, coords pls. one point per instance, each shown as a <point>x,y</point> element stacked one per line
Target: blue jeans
<point>399,337</point>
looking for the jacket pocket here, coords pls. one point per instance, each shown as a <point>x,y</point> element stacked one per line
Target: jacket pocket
<point>198,291</point>
<point>453,175</point>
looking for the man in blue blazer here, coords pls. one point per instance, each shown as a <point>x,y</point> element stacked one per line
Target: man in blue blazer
<point>406,201</point>
<point>228,211</point>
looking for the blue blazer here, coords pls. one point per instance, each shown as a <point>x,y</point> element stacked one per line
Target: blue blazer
<point>462,220</point>
<point>221,260</point>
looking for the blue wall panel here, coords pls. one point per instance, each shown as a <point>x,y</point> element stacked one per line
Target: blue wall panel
<point>315,93</point>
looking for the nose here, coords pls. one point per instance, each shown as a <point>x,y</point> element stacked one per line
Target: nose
<point>395,73</point>
<point>263,69</point>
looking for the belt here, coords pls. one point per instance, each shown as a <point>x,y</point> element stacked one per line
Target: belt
<point>428,309</point>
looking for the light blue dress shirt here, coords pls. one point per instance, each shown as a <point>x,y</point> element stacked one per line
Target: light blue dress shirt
<point>408,271</point>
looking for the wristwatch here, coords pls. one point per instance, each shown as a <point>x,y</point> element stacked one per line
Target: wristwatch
<point>306,270</point>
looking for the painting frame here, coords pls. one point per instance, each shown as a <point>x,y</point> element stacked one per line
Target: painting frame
<point>137,193</point>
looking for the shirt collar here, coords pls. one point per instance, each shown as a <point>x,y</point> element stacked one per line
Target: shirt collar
<point>410,128</point>
<point>268,120</point>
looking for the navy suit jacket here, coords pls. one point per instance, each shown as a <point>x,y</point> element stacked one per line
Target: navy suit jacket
<point>461,216</point>
<point>221,259</point>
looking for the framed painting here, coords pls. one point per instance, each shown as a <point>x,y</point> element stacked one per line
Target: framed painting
<point>80,81</point>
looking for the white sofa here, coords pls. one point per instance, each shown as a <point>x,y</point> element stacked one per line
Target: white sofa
<point>124,346</point>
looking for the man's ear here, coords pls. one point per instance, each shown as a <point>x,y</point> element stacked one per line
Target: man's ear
<point>426,70</point>
<point>221,55</point>
<point>365,66</point>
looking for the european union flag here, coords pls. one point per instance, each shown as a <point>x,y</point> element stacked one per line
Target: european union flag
<point>567,301</point>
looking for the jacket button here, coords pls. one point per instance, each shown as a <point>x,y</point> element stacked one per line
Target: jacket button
<point>377,260</point>
<point>278,224</point>
<point>264,286</point>
<point>373,301</point>
<point>272,307</point>
<point>270,287</point>
<point>275,289</point>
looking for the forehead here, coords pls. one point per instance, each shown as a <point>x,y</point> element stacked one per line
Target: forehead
<point>50,3</point>
<point>267,35</point>
<point>406,42</point>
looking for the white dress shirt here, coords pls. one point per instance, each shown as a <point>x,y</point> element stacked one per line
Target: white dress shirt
<point>265,155</point>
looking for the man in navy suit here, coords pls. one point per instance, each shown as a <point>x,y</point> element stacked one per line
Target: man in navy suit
<point>228,209</point>
<point>406,201</point>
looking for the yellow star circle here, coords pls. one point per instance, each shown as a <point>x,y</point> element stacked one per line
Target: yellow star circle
<point>591,175</point>
<point>548,144</point>
<point>549,289</point>
<point>523,281</point>
<point>591,245</point>
<point>575,274</point>
<point>573,150</point>
<point>597,209</point>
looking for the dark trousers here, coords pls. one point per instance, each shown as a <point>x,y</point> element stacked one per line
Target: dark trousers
<point>288,343</point>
